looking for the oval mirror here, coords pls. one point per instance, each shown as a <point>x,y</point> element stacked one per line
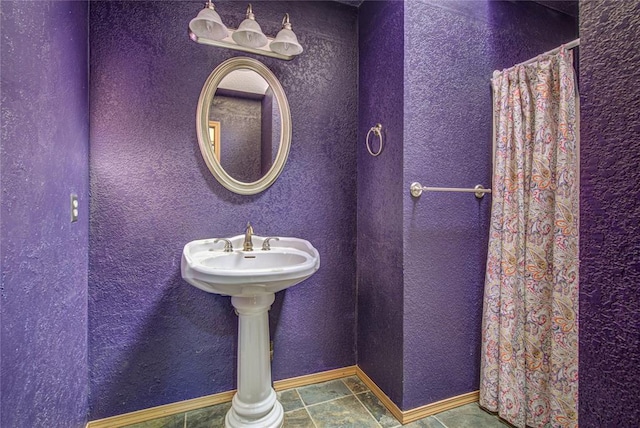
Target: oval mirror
<point>244,125</point>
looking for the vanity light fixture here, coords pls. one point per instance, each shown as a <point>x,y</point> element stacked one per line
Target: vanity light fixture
<point>286,42</point>
<point>207,28</point>
<point>208,24</point>
<point>249,33</point>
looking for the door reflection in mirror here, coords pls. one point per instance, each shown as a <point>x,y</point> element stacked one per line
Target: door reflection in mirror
<point>214,137</point>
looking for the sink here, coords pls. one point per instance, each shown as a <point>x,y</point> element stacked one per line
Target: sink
<point>207,266</point>
<point>251,278</point>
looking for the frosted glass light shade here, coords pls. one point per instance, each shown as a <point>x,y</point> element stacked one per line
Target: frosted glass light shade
<point>286,43</point>
<point>208,25</point>
<point>249,33</point>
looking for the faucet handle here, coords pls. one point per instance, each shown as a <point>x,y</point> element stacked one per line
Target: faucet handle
<point>228,247</point>
<point>265,244</point>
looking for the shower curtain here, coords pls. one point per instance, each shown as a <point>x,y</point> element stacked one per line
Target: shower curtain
<point>529,367</point>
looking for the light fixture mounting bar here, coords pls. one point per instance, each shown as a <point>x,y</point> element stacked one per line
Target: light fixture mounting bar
<point>228,43</point>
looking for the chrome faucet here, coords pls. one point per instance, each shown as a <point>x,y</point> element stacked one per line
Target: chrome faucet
<point>248,233</point>
<point>266,246</point>
<point>228,246</point>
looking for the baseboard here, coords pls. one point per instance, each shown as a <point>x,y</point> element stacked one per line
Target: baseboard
<point>439,406</point>
<point>408,416</point>
<point>404,417</point>
<point>161,411</point>
<point>386,401</point>
<point>296,382</point>
<point>211,400</point>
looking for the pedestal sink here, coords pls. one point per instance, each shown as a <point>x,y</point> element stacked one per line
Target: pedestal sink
<point>251,278</point>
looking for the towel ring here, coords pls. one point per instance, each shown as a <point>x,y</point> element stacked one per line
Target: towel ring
<point>377,131</point>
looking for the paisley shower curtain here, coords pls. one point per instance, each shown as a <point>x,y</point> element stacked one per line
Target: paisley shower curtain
<point>529,368</point>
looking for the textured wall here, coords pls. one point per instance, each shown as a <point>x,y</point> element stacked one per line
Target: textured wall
<point>44,158</point>
<point>380,100</point>
<point>154,339</point>
<point>447,119</point>
<point>610,214</point>
<point>240,136</point>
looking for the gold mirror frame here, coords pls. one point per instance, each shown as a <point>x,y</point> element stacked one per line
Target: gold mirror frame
<point>210,156</point>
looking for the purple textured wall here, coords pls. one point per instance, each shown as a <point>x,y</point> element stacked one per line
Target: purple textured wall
<point>44,158</point>
<point>610,214</point>
<point>154,339</point>
<point>447,132</point>
<point>381,48</point>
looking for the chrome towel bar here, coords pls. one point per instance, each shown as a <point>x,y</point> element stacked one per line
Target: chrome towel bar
<point>417,189</point>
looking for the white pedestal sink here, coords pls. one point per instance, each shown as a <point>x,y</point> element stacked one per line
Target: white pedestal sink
<point>251,278</point>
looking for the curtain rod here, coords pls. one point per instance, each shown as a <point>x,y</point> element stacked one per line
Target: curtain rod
<point>572,44</point>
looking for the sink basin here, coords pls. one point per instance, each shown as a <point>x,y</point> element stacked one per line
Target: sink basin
<point>248,273</point>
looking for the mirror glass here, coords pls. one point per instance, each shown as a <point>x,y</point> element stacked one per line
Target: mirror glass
<point>244,121</point>
<point>244,125</point>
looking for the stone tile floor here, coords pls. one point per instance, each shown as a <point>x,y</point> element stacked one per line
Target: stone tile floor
<point>342,403</point>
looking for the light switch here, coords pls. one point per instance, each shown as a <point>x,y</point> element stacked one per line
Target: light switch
<point>74,208</point>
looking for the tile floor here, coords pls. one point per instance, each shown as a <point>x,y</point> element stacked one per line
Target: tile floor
<point>342,403</point>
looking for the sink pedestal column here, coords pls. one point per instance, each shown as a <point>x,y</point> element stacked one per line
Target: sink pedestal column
<point>255,403</point>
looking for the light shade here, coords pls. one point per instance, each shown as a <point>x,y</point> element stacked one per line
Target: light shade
<point>208,25</point>
<point>286,42</point>
<point>249,33</point>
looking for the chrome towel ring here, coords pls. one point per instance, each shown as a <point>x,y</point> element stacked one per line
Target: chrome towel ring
<point>377,131</point>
